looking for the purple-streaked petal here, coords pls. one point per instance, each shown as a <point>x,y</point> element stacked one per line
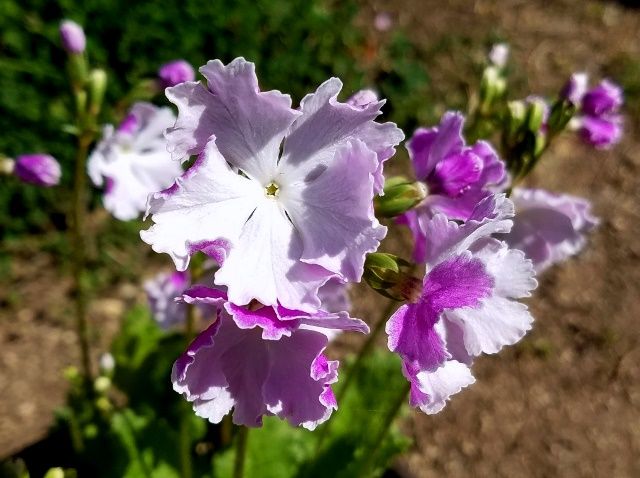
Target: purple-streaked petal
<point>455,174</point>
<point>459,282</point>
<point>249,124</point>
<point>208,202</point>
<point>427,147</point>
<point>601,132</point>
<point>326,125</point>
<point>331,210</point>
<point>604,99</point>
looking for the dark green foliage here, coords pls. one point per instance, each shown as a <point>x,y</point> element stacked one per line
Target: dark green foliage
<point>296,45</point>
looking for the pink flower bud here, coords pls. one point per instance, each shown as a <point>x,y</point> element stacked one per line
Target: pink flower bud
<point>175,72</point>
<point>72,37</point>
<point>39,169</point>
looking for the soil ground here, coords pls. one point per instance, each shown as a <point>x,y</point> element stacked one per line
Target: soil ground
<point>566,401</point>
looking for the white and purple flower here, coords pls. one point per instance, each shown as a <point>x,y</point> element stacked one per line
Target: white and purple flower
<point>549,228</point>
<point>260,361</point>
<point>132,161</point>
<point>599,122</point>
<point>457,176</point>
<point>468,305</point>
<point>288,192</point>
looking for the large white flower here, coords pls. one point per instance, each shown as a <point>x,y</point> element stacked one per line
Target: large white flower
<point>286,194</point>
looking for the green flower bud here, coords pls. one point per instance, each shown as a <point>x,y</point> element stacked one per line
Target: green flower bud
<point>535,114</point>
<point>399,196</point>
<point>385,274</point>
<point>561,113</point>
<point>102,384</point>
<point>54,473</point>
<point>97,87</point>
<point>516,118</point>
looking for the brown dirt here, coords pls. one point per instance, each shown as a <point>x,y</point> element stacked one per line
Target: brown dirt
<point>566,401</point>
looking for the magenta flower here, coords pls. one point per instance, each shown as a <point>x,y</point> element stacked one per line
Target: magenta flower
<point>72,37</point>
<point>288,191</point>
<point>175,72</point>
<point>38,169</point>
<point>599,122</point>
<point>549,228</point>
<point>260,361</point>
<point>468,305</point>
<point>133,161</point>
<point>161,293</point>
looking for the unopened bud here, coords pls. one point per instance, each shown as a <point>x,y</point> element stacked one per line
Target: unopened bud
<point>399,196</point>
<point>38,169</point>
<point>107,363</point>
<point>492,86</point>
<point>561,113</point>
<point>72,37</point>
<point>175,72</point>
<point>97,87</point>
<point>385,274</point>
<point>103,404</point>
<point>499,55</point>
<point>102,384</point>
<point>54,473</point>
<point>517,115</point>
<point>536,113</point>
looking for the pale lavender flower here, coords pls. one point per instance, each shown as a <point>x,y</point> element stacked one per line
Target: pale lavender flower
<point>468,305</point>
<point>457,176</point>
<point>575,88</point>
<point>38,169</point>
<point>288,191</point>
<point>260,361</point>
<point>132,161</point>
<point>72,37</point>
<point>161,292</point>
<point>175,72</point>
<point>499,54</point>
<point>549,228</point>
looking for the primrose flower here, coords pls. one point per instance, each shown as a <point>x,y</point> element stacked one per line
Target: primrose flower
<point>132,161</point>
<point>161,292</point>
<point>599,122</point>
<point>72,37</point>
<point>175,72</point>
<point>468,305</point>
<point>37,169</point>
<point>549,228</point>
<point>259,361</point>
<point>288,192</point>
<point>457,176</point>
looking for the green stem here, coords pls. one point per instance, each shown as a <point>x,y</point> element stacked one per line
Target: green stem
<point>185,442</point>
<point>79,208</point>
<point>241,452</point>
<point>354,370</point>
<point>387,422</point>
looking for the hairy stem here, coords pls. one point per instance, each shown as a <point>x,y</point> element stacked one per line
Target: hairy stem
<point>79,208</point>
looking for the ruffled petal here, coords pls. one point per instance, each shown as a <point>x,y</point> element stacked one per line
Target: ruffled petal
<point>208,202</point>
<point>249,125</point>
<point>431,390</point>
<point>549,227</point>
<point>326,124</point>
<point>331,209</point>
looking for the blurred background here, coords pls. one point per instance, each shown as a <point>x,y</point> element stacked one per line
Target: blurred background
<point>564,402</point>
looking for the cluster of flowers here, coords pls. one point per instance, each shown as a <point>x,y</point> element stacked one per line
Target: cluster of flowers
<point>281,202</point>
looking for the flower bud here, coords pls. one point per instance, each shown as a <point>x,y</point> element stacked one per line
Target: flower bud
<point>54,473</point>
<point>561,113</point>
<point>516,117</point>
<point>385,274</point>
<point>492,86</point>
<point>39,169</point>
<point>399,196</point>
<point>97,87</point>
<point>72,37</point>
<point>499,54</point>
<point>536,113</point>
<point>175,72</point>
<point>107,363</point>
<point>102,384</point>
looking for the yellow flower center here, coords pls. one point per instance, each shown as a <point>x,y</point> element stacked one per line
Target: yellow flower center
<point>272,190</point>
